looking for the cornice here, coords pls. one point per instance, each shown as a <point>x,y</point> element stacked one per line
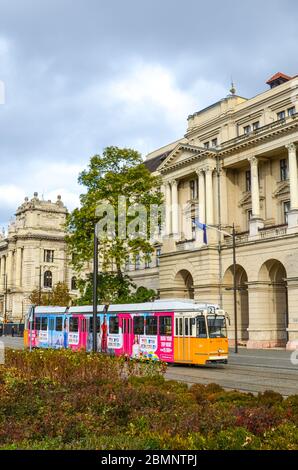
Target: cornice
<point>264,134</point>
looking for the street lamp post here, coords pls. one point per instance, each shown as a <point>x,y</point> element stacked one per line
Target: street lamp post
<point>95,283</point>
<point>235,288</point>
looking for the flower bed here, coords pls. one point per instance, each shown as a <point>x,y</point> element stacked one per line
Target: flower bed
<point>65,400</point>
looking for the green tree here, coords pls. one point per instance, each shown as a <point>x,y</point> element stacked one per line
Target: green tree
<point>58,296</point>
<point>112,289</point>
<point>116,173</point>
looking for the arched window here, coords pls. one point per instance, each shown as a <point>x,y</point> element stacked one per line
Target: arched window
<point>48,279</point>
<point>74,284</point>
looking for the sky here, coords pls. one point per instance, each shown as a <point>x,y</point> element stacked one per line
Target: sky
<point>79,75</point>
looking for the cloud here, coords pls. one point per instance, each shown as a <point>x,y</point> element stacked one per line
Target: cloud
<point>82,75</point>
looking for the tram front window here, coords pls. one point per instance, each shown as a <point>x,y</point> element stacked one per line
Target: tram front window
<point>217,326</point>
<point>201,327</point>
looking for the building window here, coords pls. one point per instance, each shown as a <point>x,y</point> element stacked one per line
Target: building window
<point>48,279</point>
<point>214,143</point>
<point>248,180</point>
<point>283,169</point>
<point>206,145</point>
<point>286,207</point>
<point>281,115</point>
<point>158,253</point>
<point>127,264</point>
<point>48,256</point>
<point>292,111</point>
<point>147,260</point>
<point>74,283</point>
<point>193,184</point>
<point>256,125</point>
<point>246,129</point>
<point>137,262</point>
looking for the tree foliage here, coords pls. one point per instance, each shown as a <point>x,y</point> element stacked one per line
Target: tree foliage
<point>113,289</point>
<point>58,296</point>
<point>116,173</point>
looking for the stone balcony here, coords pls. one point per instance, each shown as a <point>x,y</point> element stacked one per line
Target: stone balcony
<point>265,233</point>
<point>186,245</point>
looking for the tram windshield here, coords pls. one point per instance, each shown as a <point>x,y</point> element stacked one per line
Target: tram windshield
<point>217,326</point>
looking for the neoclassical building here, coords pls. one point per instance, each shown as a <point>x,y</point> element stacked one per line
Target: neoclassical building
<point>33,256</point>
<point>236,164</point>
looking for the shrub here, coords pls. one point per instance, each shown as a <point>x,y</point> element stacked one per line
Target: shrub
<point>257,420</point>
<point>284,437</point>
<point>270,398</point>
<point>234,439</point>
<point>68,400</point>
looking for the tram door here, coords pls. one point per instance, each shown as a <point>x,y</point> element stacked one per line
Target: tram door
<point>184,334</point>
<point>83,334</point>
<point>51,331</point>
<point>127,332</point>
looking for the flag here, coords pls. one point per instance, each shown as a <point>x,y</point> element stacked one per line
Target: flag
<point>204,228</point>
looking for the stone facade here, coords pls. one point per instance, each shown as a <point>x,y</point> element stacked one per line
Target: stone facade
<point>236,164</point>
<point>33,256</point>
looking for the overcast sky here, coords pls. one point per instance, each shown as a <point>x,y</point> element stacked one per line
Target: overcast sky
<point>83,74</point>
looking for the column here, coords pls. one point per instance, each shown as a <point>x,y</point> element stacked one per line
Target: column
<point>293,214</point>
<point>201,186</point>
<point>18,269</point>
<point>293,176</point>
<point>9,269</point>
<point>255,222</point>
<point>292,327</point>
<point>175,211</point>
<point>209,195</point>
<point>255,192</point>
<point>2,272</point>
<point>168,203</point>
<point>223,196</point>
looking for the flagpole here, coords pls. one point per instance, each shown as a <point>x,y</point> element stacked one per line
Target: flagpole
<point>204,227</point>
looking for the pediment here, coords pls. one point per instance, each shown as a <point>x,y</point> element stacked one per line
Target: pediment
<point>182,154</point>
<point>246,199</point>
<point>282,189</point>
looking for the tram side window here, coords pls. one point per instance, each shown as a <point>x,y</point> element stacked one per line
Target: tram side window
<point>44,323</point>
<point>114,325</point>
<point>151,326</point>
<point>193,327</point>
<point>59,322</point>
<point>97,325</point>
<point>180,330</point>
<point>186,329</point>
<point>37,323</point>
<point>201,327</point>
<point>165,326</point>
<point>138,325</point>
<point>73,325</point>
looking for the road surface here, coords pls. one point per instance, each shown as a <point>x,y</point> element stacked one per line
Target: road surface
<point>250,370</point>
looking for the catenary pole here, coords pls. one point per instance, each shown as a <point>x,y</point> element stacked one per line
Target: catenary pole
<point>95,281</point>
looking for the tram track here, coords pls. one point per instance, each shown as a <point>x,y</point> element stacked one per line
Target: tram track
<point>252,380</point>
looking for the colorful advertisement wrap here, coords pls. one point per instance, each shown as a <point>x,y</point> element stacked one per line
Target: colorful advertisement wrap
<point>141,337</point>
